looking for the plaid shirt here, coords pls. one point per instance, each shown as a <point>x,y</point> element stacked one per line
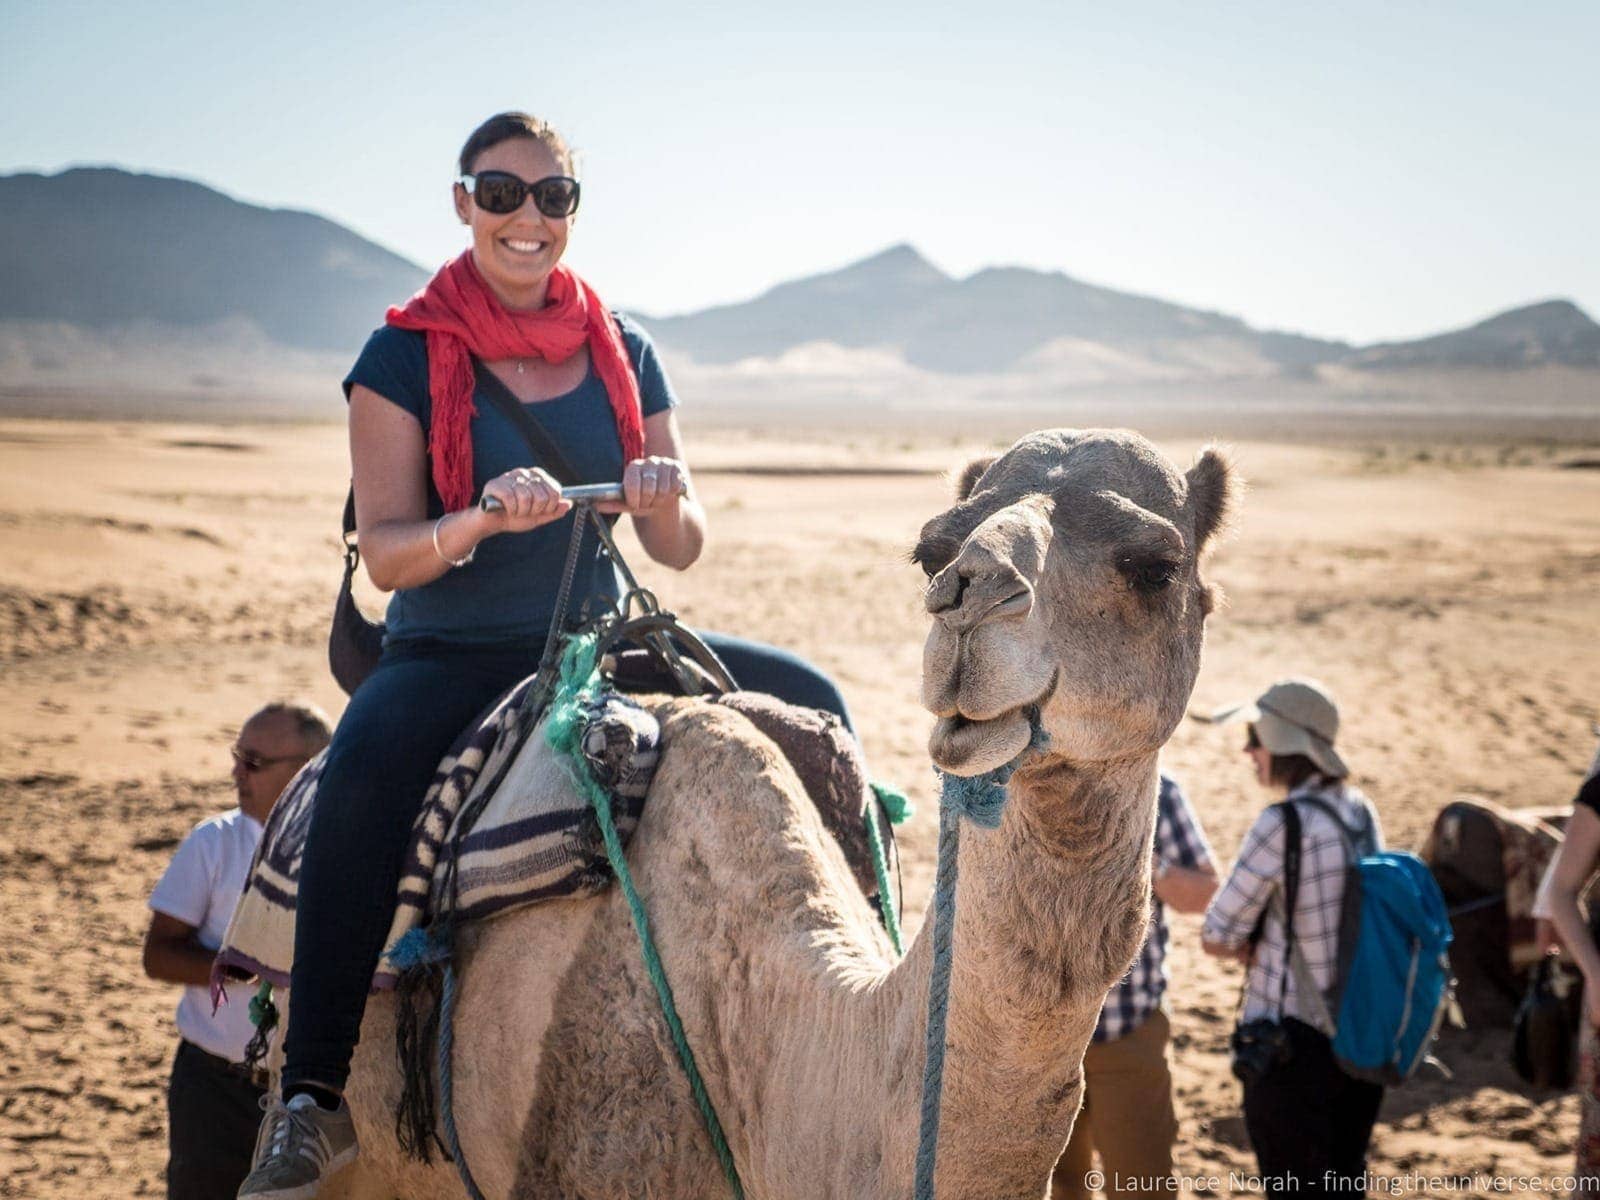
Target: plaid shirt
<point>1179,843</point>
<point>1250,894</point>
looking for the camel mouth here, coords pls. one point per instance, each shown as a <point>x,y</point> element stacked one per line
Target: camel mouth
<point>961,745</point>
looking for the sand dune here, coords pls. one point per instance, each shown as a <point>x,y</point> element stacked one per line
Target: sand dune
<point>159,581</point>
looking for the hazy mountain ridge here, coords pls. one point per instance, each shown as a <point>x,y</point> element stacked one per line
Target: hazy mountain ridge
<point>989,322</point>
<point>100,248</point>
<point>1551,332</point>
<point>161,262</point>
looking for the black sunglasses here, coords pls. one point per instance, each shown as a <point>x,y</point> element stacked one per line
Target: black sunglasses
<point>501,192</point>
<point>253,762</point>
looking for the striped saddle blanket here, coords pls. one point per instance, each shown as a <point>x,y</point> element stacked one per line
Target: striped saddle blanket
<point>503,825</point>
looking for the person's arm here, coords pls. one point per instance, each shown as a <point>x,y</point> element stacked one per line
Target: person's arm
<point>671,527</point>
<point>389,465</point>
<point>1186,889</point>
<point>1544,929</point>
<point>1575,862</point>
<point>1184,878</point>
<point>1238,904</point>
<point>179,905</point>
<point>172,955</point>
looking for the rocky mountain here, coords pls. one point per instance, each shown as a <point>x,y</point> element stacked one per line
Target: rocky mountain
<point>1555,332</point>
<point>100,248</point>
<point>991,322</point>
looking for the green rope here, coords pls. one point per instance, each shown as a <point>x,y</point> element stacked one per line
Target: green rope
<point>262,1010</point>
<point>264,1016</point>
<point>563,730</point>
<point>880,868</point>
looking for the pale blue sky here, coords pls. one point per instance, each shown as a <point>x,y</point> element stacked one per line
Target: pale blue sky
<point>1360,170</point>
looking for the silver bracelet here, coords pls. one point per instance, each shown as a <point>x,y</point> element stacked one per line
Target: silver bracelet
<point>454,562</point>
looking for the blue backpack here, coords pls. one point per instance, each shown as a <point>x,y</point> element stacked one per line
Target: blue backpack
<point>1392,984</point>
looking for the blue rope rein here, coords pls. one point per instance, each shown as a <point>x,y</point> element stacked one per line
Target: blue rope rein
<point>982,800</point>
<point>447,1046</point>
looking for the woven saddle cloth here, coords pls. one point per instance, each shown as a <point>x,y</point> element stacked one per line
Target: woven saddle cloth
<point>532,837</point>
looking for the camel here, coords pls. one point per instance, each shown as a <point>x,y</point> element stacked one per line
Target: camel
<point>1064,581</point>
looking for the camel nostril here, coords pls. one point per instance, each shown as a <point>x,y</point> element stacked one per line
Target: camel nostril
<point>946,591</point>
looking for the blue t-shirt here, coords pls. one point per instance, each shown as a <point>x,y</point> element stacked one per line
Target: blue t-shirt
<point>508,592</point>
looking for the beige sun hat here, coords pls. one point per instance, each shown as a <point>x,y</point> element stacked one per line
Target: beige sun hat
<point>1294,716</point>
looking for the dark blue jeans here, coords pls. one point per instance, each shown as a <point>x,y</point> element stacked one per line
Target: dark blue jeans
<point>397,727</point>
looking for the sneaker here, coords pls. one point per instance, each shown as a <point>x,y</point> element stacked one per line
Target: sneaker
<point>299,1148</point>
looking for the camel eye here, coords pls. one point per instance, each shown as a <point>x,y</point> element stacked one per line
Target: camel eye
<point>1149,575</point>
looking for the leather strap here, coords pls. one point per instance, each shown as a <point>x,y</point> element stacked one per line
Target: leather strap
<point>1291,892</point>
<point>545,450</point>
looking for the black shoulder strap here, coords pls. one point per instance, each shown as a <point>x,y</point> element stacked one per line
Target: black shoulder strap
<point>1356,842</point>
<point>545,450</point>
<point>1291,890</point>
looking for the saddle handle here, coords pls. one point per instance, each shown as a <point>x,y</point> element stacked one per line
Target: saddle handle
<point>582,493</point>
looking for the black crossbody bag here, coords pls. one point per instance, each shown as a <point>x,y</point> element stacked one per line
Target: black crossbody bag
<point>1260,1045</point>
<point>355,642</point>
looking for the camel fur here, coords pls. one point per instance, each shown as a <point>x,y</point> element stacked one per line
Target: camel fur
<point>1066,578</point>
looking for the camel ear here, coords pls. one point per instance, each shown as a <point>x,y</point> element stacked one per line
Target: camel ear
<point>971,473</point>
<point>1213,487</point>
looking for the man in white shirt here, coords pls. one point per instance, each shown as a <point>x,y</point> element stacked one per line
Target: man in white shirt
<point>212,1105</point>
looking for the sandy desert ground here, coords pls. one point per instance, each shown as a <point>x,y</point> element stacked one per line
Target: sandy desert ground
<point>157,582</point>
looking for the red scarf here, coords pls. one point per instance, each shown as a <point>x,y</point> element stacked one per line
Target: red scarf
<point>462,318</point>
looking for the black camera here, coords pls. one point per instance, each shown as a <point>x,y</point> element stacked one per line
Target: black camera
<point>1257,1047</point>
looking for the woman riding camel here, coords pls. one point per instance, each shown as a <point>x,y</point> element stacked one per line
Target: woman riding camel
<point>474,591</point>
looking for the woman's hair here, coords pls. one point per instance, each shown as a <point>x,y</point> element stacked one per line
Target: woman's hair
<point>1289,770</point>
<point>503,127</point>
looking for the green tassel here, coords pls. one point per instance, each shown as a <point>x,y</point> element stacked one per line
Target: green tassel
<point>894,803</point>
<point>263,1012</point>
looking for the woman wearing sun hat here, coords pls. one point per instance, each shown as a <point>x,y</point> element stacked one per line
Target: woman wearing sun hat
<point>1308,1121</point>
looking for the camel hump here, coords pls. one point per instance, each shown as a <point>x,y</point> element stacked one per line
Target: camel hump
<point>828,760</point>
<point>824,755</point>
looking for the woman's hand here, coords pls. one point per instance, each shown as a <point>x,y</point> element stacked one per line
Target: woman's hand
<point>531,498</point>
<point>671,526</point>
<point>651,486</point>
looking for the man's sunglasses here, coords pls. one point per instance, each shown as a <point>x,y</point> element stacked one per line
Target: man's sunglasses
<point>501,192</point>
<point>253,762</point>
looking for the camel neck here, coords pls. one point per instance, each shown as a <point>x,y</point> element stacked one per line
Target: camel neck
<point>1051,906</point>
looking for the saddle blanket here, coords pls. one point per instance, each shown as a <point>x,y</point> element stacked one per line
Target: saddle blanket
<point>531,836</point>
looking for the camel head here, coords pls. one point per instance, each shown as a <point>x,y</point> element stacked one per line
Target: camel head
<point>1066,580</point>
